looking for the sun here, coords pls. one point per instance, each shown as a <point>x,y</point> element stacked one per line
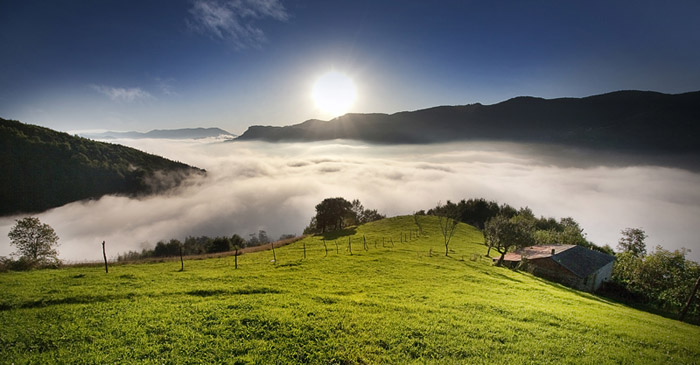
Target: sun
<point>334,93</point>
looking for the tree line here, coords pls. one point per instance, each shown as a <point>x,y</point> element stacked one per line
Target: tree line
<point>663,279</point>
<point>199,245</point>
<point>521,225</point>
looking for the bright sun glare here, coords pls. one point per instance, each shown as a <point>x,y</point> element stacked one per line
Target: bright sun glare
<point>334,93</point>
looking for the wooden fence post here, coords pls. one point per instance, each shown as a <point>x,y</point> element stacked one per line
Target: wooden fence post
<point>104,254</point>
<point>350,246</point>
<point>325,248</point>
<point>182,262</point>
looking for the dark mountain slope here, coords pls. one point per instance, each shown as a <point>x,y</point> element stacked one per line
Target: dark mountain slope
<point>623,121</point>
<point>43,169</point>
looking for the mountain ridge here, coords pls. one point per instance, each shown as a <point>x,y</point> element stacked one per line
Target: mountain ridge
<point>627,120</point>
<point>182,133</point>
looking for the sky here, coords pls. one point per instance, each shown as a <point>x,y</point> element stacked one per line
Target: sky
<point>141,65</point>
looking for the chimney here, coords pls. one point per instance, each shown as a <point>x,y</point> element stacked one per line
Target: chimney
<point>552,252</point>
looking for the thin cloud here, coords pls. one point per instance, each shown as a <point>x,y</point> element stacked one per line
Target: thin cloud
<point>235,20</point>
<point>166,86</point>
<point>123,94</point>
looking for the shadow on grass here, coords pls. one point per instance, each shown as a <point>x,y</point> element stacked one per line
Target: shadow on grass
<point>40,303</point>
<point>501,276</point>
<point>578,293</point>
<point>242,291</point>
<point>58,301</point>
<point>650,308</point>
<point>334,235</point>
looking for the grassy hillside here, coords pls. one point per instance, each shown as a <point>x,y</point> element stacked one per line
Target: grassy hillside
<point>43,169</point>
<point>381,305</point>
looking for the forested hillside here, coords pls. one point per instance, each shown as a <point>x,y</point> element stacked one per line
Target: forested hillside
<point>43,169</point>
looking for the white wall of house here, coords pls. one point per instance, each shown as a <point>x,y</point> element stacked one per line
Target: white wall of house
<point>595,280</point>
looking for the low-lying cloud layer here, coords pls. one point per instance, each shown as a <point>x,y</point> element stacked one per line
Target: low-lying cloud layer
<point>256,185</point>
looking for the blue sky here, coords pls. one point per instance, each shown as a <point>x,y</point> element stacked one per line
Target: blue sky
<point>140,65</point>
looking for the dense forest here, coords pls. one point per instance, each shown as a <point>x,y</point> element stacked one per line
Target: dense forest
<point>43,169</point>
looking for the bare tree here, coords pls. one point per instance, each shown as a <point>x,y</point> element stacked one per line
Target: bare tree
<point>448,225</point>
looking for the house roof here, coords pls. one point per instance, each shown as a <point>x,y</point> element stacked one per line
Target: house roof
<point>536,252</point>
<point>582,261</point>
<point>577,259</point>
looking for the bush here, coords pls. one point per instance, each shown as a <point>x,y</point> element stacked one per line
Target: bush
<point>24,264</point>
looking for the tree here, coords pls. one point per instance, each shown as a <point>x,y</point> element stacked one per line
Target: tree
<point>35,241</point>
<point>572,233</point>
<point>220,244</point>
<point>331,214</point>
<point>237,242</point>
<point>664,278</point>
<point>171,248</point>
<point>632,241</point>
<point>505,234</point>
<point>448,224</point>
<point>262,237</point>
<point>356,210</point>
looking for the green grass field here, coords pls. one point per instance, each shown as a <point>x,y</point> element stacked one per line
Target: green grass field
<point>381,305</point>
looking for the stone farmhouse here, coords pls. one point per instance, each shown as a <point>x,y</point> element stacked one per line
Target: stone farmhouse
<point>574,266</point>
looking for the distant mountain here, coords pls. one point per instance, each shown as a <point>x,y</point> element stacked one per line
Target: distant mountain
<point>185,133</point>
<point>43,169</point>
<point>624,120</point>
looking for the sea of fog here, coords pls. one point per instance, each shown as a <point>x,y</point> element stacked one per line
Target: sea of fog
<point>255,186</point>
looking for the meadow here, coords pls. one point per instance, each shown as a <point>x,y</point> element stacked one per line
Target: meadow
<point>390,300</point>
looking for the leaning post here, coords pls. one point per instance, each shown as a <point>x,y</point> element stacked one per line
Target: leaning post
<point>182,262</point>
<point>104,254</point>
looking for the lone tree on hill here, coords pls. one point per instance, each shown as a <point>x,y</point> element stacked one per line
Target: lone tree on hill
<point>448,224</point>
<point>237,243</point>
<point>331,214</point>
<point>632,241</point>
<point>35,241</point>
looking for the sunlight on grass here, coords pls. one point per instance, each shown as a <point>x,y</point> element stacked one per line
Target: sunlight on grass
<point>384,303</point>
